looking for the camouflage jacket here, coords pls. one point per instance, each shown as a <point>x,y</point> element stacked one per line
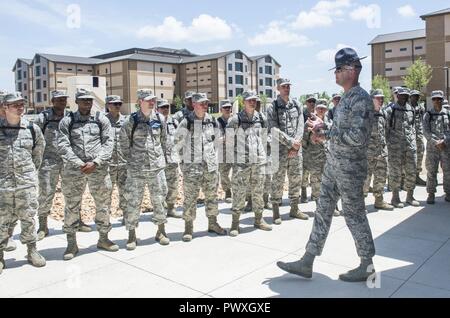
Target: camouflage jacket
<point>419,112</point>
<point>286,123</point>
<point>377,144</point>
<point>349,134</point>
<point>250,138</point>
<point>49,122</point>
<point>182,114</point>
<point>117,158</point>
<point>400,123</point>
<point>20,155</point>
<point>171,155</point>
<point>437,127</point>
<point>84,139</point>
<point>144,148</point>
<point>196,138</point>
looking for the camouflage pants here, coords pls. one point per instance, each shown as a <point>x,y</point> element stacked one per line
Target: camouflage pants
<point>434,157</point>
<point>402,160</point>
<point>19,205</point>
<point>74,184</point>
<point>347,186</point>
<point>118,176</point>
<point>244,177</point>
<point>134,194</point>
<point>293,167</point>
<point>420,153</point>
<point>378,169</point>
<point>224,171</point>
<point>197,177</point>
<point>173,180</point>
<point>48,180</point>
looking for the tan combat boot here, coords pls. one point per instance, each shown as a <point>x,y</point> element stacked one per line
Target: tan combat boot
<point>276,213</point>
<point>188,231</point>
<point>396,200</point>
<point>105,244</point>
<point>132,240</point>
<point>2,262</point>
<point>234,231</point>
<point>362,273</point>
<point>161,235</point>
<point>173,213</point>
<point>410,199</point>
<point>72,247</point>
<point>33,256</point>
<point>296,213</point>
<point>214,227</point>
<point>84,228</point>
<point>11,246</point>
<point>380,204</point>
<point>260,223</point>
<point>43,227</point>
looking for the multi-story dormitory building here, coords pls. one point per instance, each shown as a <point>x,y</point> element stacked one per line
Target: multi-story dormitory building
<point>169,72</point>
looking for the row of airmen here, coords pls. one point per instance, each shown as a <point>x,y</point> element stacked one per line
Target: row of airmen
<point>101,150</point>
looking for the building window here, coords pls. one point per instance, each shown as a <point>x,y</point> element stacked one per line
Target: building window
<point>39,97</point>
<point>239,91</point>
<point>403,49</point>
<point>239,67</point>
<point>260,70</point>
<point>162,95</point>
<point>246,81</point>
<point>174,83</point>
<point>261,82</point>
<point>174,71</point>
<point>59,68</point>
<point>25,87</point>
<point>38,84</point>
<point>202,67</point>
<point>388,51</point>
<point>59,82</point>
<point>37,59</point>
<point>44,84</point>
<point>238,56</point>
<point>44,71</point>
<point>80,70</point>
<point>269,81</point>
<point>162,83</point>
<point>239,80</point>
<point>89,71</point>
<point>161,70</point>
<point>419,47</point>
<point>24,74</point>
<point>389,69</point>
<point>70,69</point>
<point>246,69</point>
<point>269,93</point>
<point>230,93</point>
<point>230,80</point>
<point>268,59</point>
<point>269,70</point>
<point>188,69</point>
<point>98,72</point>
<point>95,82</point>
<point>19,75</point>
<point>230,67</point>
<point>261,92</point>
<point>45,97</point>
<point>19,64</point>
<point>106,70</point>
<point>19,87</point>
<point>38,71</point>
<point>403,68</point>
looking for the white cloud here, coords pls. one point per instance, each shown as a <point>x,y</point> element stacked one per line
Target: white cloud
<point>276,33</point>
<point>203,28</point>
<point>327,56</point>
<point>371,14</point>
<point>322,14</point>
<point>406,11</point>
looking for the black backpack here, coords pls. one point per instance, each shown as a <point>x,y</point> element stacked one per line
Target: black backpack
<point>135,118</point>
<point>437,115</point>
<point>96,121</point>
<point>251,123</point>
<point>276,107</point>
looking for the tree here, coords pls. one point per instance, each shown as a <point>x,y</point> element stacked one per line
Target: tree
<point>418,75</point>
<point>380,82</point>
<point>240,101</point>
<point>178,101</point>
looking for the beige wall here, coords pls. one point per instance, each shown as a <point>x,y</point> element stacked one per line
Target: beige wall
<point>447,24</point>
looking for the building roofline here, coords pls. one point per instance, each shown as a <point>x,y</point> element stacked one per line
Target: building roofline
<point>417,36</point>
<point>436,13</point>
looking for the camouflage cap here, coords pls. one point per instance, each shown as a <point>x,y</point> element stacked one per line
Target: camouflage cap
<point>188,94</point>
<point>403,91</point>
<point>84,94</point>
<point>311,97</point>
<point>199,98</point>
<point>283,81</point>
<point>322,103</point>
<point>59,94</point>
<point>445,103</point>
<point>113,99</point>
<point>415,93</point>
<point>377,93</point>
<point>336,95</point>
<point>437,94</point>
<point>225,103</point>
<point>2,96</point>
<point>145,94</point>
<point>248,95</point>
<point>395,89</point>
<point>13,97</point>
<point>162,103</point>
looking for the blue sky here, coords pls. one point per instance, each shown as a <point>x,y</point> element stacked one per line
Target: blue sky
<point>302,35</point>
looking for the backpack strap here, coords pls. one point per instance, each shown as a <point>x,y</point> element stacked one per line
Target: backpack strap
<point>33,134</point>
<point>222,123</point>
<point>135,119</point>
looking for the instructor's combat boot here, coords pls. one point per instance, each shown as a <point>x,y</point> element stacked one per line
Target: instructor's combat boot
<point>303,267</point>
<point>360,274</point>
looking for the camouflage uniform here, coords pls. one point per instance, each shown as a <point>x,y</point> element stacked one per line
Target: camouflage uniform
<point>84,139</point>
<point>345,173</point>
<point>437,127</point>
<point>377,156</point>
<point>52,164</point>
<point>224,165</point>
<point>419,111</point>
<point>118,162</point>
<point>144,152</point>
<point>401,144</point>
<point>21,159</point>
<point>173,161</point>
